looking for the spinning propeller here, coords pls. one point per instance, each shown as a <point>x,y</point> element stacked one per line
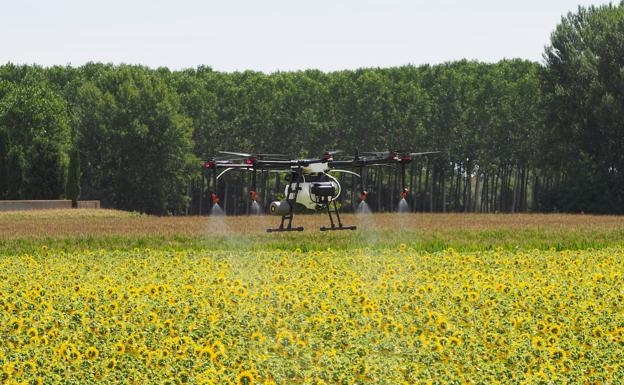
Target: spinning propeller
<point>259,155</point>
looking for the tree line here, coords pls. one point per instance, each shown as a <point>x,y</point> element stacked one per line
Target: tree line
<point>513,136</point>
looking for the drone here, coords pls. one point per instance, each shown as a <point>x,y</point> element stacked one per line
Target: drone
<point>309,181</point>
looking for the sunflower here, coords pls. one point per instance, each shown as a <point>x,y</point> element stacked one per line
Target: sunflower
<point>152,317</point>
<point>567,365</point>
<point>16,325</point>
<point>111,364</point>
<point>552,340</point>
<point>120,348</point>
<point>557,354</point>
<point>454,341</point>
<point>257,336</point>
<point>245,378</point>
<point>598,332</point>
<point>360,369</point>
<point>538,343</point>
<point>92,353</point>
<point>443,324</point>
<point>284,339</point>
<point>29,367</point>
<point>73,355</point>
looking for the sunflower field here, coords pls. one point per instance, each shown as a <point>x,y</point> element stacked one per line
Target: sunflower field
<point>394,316</point>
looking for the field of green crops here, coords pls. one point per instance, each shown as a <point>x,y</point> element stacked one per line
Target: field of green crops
<point>509,300</point>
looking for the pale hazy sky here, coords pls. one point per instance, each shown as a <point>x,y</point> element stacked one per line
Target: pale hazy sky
<point>273,35</point>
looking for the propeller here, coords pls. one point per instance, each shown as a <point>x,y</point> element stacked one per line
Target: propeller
<point>236,153</point>
<point>245,155</point>
<point>274,155</point>
<point>386,154</point>
<point>379,154</point>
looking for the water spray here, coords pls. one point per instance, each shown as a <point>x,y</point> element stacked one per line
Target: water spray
<point>362,207</point>
<point>255,207</point>
<point>403,206</point>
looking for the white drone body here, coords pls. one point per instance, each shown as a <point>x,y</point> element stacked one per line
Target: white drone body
<point>305,196</point>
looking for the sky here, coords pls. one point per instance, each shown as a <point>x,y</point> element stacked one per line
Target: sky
<point>276,35</point>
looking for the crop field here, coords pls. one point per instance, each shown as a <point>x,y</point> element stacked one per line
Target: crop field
<point>110,297</point>
<point>88,229</point>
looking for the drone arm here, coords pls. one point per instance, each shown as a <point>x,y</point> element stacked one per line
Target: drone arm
<point>364,162</point>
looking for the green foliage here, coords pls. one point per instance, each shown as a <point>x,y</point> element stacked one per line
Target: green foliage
<point>136,144</point>
<point>138,130</point>
<point>15,172</point>
<point>585,105</point>
<point>34,127</point>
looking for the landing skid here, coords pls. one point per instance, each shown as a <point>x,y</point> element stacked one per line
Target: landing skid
<point>338,228</point>
<point>291,198</point>
<point>331,220</point>
<point>284,229</point>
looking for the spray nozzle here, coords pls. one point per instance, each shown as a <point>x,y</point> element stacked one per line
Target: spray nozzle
<point>214,198</point>
<point>253,195</point>
<point>363,196</point>
<point>405,193</point>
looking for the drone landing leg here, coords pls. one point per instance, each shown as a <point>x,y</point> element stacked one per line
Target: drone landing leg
<point>331,220</point>
<point>289,227</point>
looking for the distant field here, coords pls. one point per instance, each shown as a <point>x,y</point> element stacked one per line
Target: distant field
<point>110,229</point>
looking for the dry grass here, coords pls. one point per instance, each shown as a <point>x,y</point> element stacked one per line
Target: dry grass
<point>110,229</point>
<point>63,223</point>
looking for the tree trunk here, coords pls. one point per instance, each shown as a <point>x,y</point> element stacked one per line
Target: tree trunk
<point>495,193</point>
<point>476,194</point>
<point>443,190</point>
<point>426,185</point>
<point>420,193</point>
<point>431,188</point>
<point>468,188</point>
<point>379,177</point>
